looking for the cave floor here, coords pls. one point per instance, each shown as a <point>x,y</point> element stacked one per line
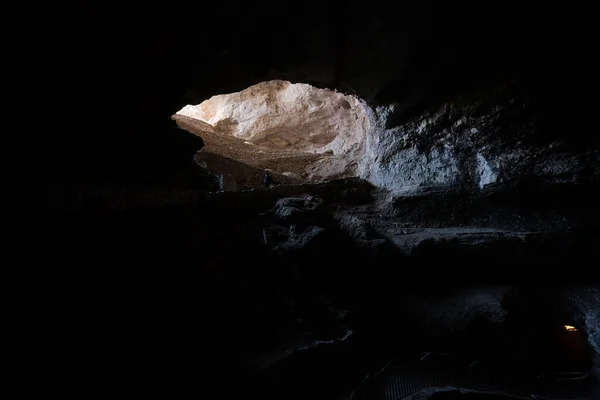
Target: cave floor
<point>276,279</point>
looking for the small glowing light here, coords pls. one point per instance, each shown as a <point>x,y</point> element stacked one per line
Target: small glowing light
<point>570,328</point>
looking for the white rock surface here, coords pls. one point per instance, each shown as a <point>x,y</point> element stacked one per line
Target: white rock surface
<point>484,172</point>
<point>315,134</point>
<point>390,161</point>
<point>288,116</point>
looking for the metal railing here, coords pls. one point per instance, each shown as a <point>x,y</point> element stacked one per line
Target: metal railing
<point>414,372</point>
<point>563,384</point>
<point>423,364</point>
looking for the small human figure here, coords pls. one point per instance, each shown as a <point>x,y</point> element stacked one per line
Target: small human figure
<point>267,180</point>
<point>221,182</point>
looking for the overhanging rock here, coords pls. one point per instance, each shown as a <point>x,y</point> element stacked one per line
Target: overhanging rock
<point>299,132</point>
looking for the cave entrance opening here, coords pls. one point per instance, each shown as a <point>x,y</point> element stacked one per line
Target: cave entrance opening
<point>298,132</point>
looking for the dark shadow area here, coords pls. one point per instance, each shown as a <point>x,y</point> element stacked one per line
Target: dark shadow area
<point>133,277</point>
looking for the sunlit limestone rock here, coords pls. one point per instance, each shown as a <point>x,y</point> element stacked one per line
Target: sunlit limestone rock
<point>306,134</point>
<point>298,131</point>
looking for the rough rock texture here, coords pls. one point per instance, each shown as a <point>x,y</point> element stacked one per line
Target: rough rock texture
<point>471,144</point>
<point>132,262</point>
<point>456,312</point>
<point>277,124</point>
<point>311,286</point>
<point>424,53</point>
<point>585,304</point>
<point>284,115</point>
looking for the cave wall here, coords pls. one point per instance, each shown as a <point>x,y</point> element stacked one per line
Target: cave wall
<point>583,303</point>
<point>138,66</point>
<point>296,131</point>
<point>500,137</point>
<point>283,116</point>
<point>503,135</point>
<point>110,79</point>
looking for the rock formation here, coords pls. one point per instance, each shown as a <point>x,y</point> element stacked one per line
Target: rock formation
<point>435,173</point>
<point>300,132</point>
<point>307,134</point>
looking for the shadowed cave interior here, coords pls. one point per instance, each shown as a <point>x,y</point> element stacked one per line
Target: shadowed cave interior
<point>429,229</point>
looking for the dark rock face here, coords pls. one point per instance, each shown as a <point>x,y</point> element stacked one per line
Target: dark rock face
<point>307,290</point>
<point>146,67</point>
<point>133,267</point>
